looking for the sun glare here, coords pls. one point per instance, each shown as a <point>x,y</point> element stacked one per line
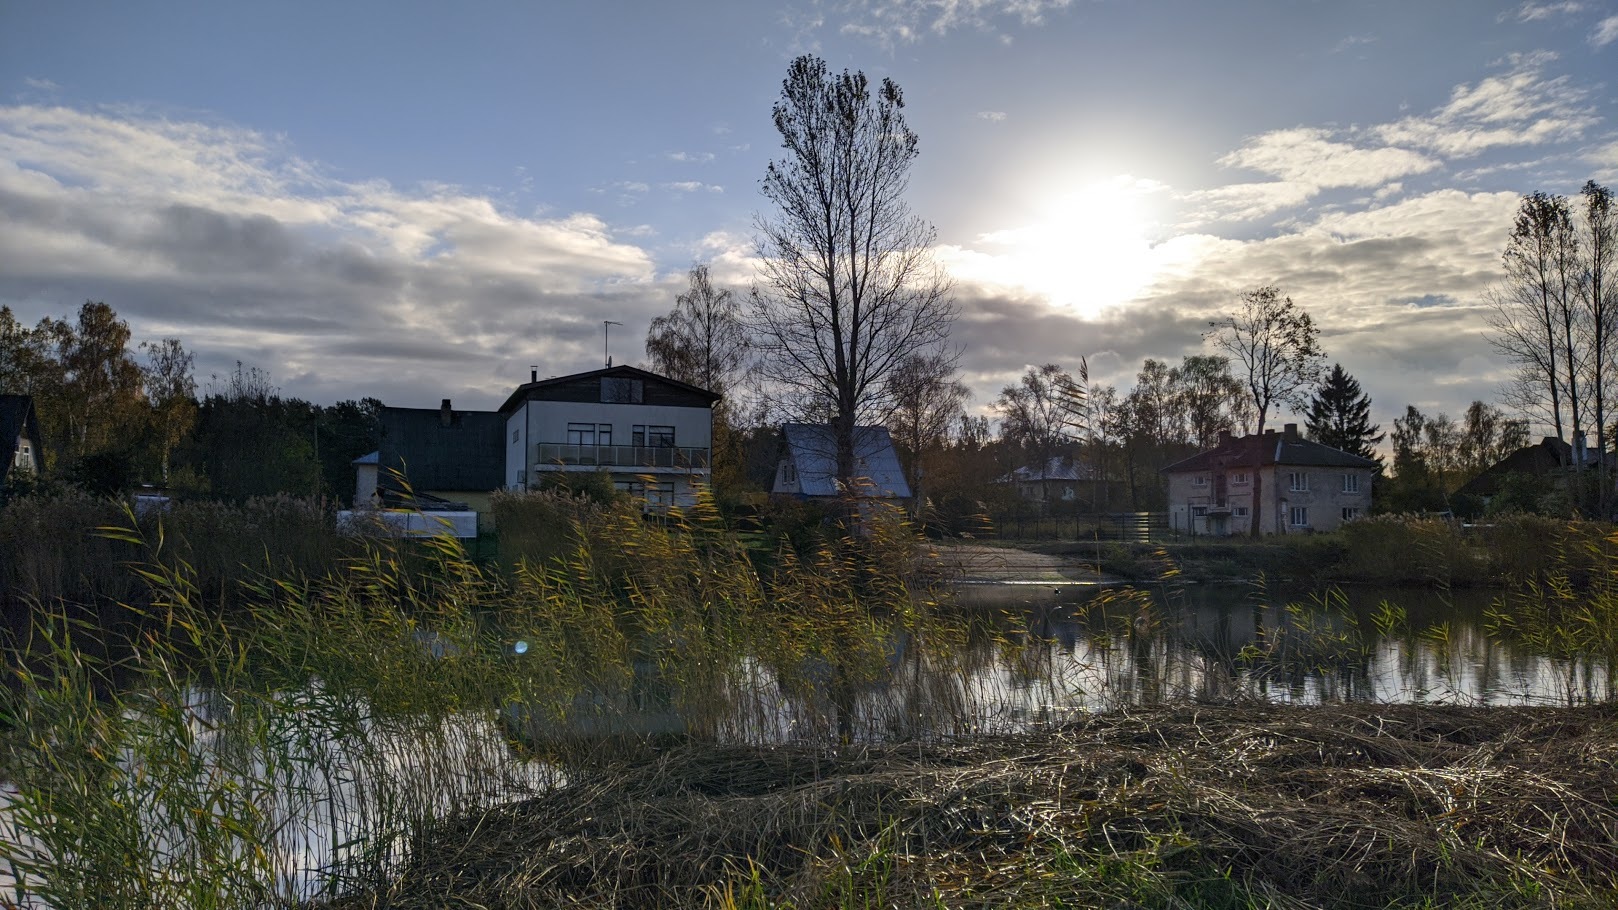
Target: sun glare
<point>1088,251</point>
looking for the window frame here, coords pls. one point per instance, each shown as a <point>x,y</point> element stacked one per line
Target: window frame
<point>1298,481</point>
<point>1298,516</point>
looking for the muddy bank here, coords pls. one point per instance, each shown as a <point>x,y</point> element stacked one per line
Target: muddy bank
<point>1354,806</point>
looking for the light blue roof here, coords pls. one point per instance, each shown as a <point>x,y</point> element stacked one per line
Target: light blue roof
<point>373,458</point>
<point>813,450</point>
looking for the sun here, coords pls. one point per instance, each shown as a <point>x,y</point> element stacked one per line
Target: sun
<point>1088,250</point>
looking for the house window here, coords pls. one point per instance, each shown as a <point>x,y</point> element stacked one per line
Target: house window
<point>1298,517</point>
<point>589,434</point>
<point>1199,480</point>
<point>622,390</point>
<point>1238,477</point>
<point>656,437</point>
<point>1240,511</point>
<point>514,435</point>
<point>1300,481</point>
<point>1199,511</point>
<point>789,473</point>
<point>1350,513</point>
<point>1351,483</point>
<point>656,495</point>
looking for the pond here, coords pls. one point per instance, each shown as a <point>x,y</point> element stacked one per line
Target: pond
<point>1086,647</point>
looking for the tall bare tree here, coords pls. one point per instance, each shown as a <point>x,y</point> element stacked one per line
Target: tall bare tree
<point>1600,296</point>
<point>848,286</point>
<point>1531,312</point>
<point>1275,349</point>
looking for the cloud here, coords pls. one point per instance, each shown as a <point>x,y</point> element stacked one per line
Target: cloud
<point>1605,32</point>
<point>1521,106</point>
<point>225,238</point>
<point>1311,157</point>
<point>992,116</point>
<point>895,22</point>
<point>690,157</point>
<point>40,85</point>
<point>1351,42</point>
<point>1535,12</point>
<point>693,186</point>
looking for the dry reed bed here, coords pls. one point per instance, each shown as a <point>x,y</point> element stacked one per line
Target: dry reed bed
<point>1336,806</point>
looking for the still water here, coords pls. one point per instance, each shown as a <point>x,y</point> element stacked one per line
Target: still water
<point>1071,648</point>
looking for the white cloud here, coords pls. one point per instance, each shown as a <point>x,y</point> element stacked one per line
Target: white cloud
<point>1534,12</point>
<point>992,116</point>
<point>693,186</point>
<point>1519,107</point>
<point>1605,32</point>
<point>896,22</point>
<point>41,85</point>
<point>1311,157</point>
<point>691,157</point>
<point>1351,42</point>
<point>340,288</point>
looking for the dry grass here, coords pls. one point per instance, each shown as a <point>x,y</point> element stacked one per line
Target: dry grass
<point>1353,806</point>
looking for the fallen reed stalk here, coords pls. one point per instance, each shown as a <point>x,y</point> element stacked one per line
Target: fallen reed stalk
<point>1342,806</point>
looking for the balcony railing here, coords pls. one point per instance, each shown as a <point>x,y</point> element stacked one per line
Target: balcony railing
<point>551,453</point>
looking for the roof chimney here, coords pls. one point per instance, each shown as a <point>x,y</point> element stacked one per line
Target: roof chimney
<point>533,373</point>
<point>1224,437</point>
<point>445,415</point>
<point>1291,432</point>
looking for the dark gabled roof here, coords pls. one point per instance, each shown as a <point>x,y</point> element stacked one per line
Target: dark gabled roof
<point>1547,456</point>
<point>465,453</point>
<point>560,388</point>
<point>1272,448</point>
<point>813,449</point>
<point>17,418</point>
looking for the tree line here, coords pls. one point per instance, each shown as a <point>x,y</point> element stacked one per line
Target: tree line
<point>116,416</point>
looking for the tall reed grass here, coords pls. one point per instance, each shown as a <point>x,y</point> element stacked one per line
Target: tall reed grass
<point>296,746</point>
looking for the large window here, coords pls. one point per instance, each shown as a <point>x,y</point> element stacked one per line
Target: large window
<point>1351,483</point>
<point>653,436</point>
<point>1299,517</point>
<point>1300,481</point>
<point>589,434</point>
<point>622,390</point>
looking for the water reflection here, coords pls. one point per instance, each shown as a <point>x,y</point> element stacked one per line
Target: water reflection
<point>1076,648</point>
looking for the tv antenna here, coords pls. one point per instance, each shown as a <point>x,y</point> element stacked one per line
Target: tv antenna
<point>604,330</point>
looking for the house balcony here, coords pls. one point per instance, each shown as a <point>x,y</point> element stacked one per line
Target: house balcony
<point>556,456</point>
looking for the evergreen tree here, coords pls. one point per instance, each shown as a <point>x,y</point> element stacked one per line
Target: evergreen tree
<point>1340,416</point>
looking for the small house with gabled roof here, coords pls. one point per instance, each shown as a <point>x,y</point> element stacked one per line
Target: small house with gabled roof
<point>1288,483</point>
<point>807,468</point>
<point>22,446</point>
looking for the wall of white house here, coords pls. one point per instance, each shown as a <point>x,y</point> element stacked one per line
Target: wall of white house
<point>517,448</point>
<point>548,420</point>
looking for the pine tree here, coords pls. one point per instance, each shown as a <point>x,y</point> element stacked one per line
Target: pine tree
<point>1340,416</point>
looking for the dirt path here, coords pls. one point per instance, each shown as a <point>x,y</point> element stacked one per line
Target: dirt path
<point>976,563</point>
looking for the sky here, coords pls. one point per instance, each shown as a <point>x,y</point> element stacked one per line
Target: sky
<point>416,201</point>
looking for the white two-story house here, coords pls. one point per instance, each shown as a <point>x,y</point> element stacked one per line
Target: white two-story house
<point>1286,483</point>
<point>652,434</point>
